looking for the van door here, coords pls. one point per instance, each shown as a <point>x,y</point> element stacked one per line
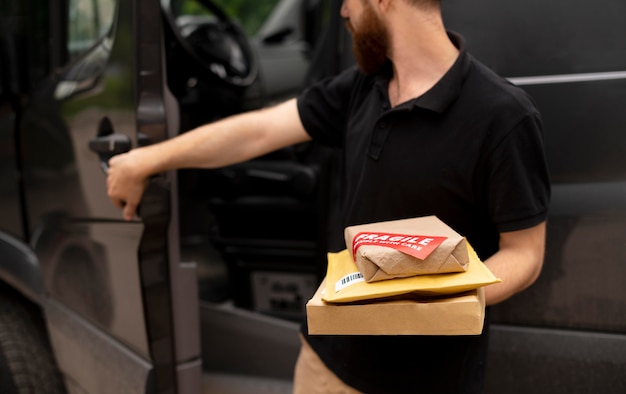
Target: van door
<point>113,289</point>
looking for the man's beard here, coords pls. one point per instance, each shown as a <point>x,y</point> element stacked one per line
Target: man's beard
<point>370,42</point>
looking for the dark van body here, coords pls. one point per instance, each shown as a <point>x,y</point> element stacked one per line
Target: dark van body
<point>566,332</point>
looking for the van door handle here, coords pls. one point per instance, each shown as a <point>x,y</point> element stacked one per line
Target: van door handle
<point>110,145</point>
<point>107,146</point>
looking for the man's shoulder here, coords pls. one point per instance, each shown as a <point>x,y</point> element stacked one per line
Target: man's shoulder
<point>496,94</point>
<point>497,88</point>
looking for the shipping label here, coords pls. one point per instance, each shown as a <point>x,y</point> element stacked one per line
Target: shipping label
<point>419,246</point>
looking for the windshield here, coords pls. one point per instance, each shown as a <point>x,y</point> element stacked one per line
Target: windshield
<point>250,14</point>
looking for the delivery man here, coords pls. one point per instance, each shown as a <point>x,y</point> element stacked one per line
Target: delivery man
<point>423,129</point>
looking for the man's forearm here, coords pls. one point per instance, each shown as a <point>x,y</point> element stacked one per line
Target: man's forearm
<point>228,141</point>
<point>517,263</point>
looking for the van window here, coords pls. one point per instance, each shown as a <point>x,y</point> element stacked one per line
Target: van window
<point>89,21</point>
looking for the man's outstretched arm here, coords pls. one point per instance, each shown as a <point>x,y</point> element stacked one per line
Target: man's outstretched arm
<point>228,141</point>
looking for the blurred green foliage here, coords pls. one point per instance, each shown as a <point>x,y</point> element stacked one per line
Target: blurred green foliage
<point>249,13</point>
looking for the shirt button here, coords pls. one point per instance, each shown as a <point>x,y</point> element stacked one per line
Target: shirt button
<point>382,125</point>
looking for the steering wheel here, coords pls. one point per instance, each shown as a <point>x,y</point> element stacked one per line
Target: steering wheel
<point>219,44</point>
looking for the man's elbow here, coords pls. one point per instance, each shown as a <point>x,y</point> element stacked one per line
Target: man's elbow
<point>535,270</point>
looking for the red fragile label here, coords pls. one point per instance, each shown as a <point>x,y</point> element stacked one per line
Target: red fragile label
<point>420,246</point>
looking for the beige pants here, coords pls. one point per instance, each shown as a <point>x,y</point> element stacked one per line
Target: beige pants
<point>312,377</point>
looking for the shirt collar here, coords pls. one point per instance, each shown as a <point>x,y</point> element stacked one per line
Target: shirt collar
<point>447,89</point>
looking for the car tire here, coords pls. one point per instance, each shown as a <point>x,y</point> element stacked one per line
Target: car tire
<point>26,361</point>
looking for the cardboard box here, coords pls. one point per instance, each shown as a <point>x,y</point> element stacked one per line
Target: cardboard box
<point>461,314</point>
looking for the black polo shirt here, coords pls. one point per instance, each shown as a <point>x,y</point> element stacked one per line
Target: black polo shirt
<point>469,151</point>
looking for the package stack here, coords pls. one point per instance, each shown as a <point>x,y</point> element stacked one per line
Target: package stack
<point>404,277</point>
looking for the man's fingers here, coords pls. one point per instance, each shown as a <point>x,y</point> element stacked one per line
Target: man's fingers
<point>129,211</point>
<point>118,202</point>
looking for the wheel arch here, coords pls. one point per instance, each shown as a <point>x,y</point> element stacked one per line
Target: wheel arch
<point>20,268</point>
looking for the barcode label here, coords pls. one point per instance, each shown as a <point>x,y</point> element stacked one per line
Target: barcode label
<point>349,280</point>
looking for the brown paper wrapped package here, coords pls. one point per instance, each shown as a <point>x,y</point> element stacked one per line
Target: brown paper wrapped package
<point>377,262</point>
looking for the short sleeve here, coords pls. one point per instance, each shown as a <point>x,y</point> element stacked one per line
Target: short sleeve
<point>324,108</point>
<point>519,184</point>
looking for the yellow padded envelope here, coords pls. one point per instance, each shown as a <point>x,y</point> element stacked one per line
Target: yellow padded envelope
<point>344,282</point>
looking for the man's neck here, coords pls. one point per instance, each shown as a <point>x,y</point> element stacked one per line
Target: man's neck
<point>421,53</point>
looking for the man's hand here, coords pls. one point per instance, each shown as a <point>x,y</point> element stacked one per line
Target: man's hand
<point>126,182</point>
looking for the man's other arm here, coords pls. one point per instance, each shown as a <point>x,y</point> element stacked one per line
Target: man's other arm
<point>518,262</point>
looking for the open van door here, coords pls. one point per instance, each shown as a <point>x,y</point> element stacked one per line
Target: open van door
<point>163,289</point>
<point>120,308</point>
